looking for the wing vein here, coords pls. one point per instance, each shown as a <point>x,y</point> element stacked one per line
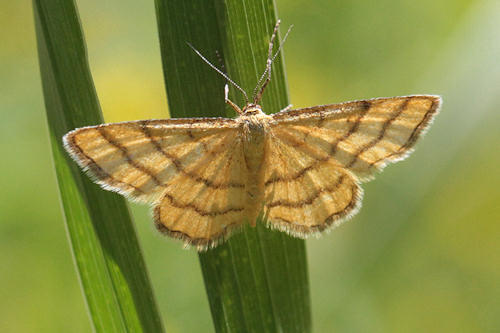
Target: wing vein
<point>381,135</point>
<point>414,134</point>
<point>178,166</point>
<point>126,155</point>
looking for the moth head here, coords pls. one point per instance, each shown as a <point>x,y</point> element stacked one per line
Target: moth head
<point>252,109</point>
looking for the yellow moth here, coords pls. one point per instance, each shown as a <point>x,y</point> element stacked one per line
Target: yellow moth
<point>301,169</point>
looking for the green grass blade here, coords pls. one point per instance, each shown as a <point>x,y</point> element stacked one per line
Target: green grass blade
<point>257,281</point>
<point>103,240</point>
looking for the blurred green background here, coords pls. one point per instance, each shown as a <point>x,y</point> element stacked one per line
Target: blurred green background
<point>422,255</point>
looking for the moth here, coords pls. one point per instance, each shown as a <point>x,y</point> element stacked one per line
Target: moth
<point>299,169</point>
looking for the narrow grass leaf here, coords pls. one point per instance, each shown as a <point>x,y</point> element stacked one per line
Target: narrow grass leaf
<point>100,230</point>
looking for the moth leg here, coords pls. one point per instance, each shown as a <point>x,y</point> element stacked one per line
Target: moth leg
<point>231,103</point>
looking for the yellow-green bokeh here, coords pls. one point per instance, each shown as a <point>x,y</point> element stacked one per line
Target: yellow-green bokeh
<point>422,255</point>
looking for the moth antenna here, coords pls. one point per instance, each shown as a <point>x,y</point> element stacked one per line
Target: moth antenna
<point>270,59</point>
<point>219,71</point>
<point>282,43</point>
<point>258,96</point>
